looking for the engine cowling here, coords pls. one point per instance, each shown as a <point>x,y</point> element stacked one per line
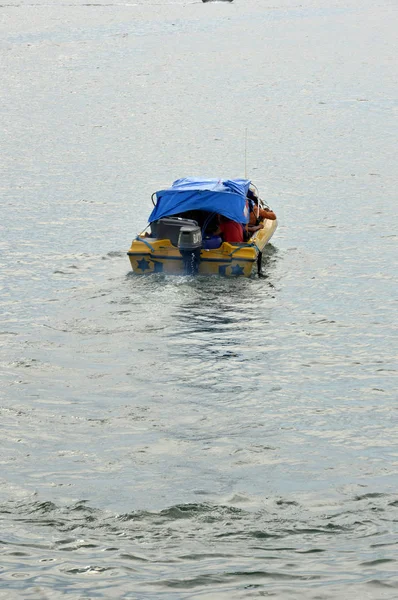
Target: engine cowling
<point>190,246</point>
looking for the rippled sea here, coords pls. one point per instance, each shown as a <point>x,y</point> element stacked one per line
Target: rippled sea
<point>178,438</point>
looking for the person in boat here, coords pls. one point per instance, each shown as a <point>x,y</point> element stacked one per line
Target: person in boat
<point>231,231</point>
<point>257,213</point>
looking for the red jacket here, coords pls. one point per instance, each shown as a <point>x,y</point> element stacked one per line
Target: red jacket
<point>231,231</point>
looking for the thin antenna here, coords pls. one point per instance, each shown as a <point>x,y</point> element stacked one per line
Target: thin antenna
<point>246,153</point>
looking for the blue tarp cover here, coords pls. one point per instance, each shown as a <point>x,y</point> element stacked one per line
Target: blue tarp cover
<point>226,197</point>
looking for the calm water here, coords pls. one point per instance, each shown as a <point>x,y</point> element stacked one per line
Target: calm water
<point>202,438</point>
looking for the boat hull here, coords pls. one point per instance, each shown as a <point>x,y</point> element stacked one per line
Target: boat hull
<point>151,255</point>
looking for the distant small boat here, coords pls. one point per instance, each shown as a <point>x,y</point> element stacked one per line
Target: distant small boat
<point>184,236</point>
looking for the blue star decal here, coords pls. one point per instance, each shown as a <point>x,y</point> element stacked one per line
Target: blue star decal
<point>237,270</point>
<point>143,264</point>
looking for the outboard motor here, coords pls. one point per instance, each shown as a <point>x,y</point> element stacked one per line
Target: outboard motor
<point>190,245</point>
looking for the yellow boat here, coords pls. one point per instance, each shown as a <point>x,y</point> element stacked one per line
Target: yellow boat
<point>181,240</point>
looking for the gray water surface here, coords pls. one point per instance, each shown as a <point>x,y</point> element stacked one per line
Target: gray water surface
<point>175,438</point>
